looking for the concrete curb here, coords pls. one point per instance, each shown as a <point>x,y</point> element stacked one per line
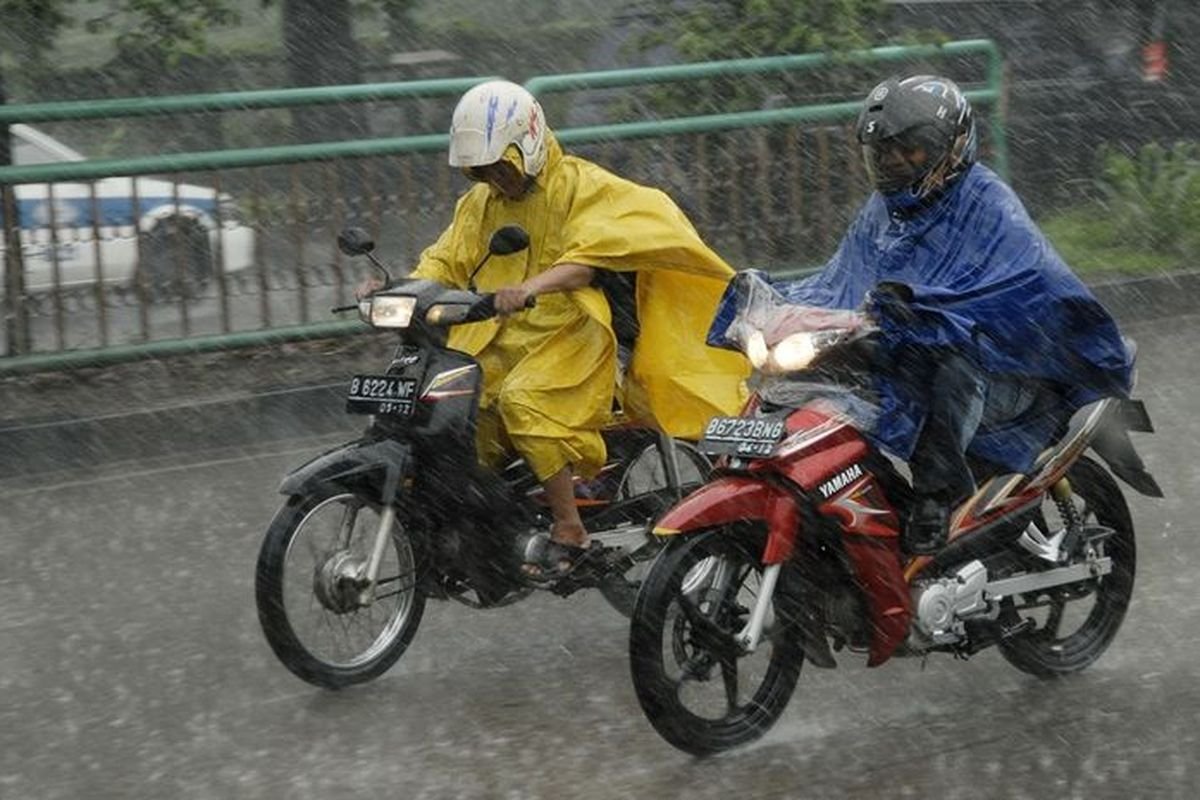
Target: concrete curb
<point>309,411</point>
<point>1138,299</point>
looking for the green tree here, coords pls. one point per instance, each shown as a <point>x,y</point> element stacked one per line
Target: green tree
<point>710,30</point>
<point>161,31</point>
<point>717,29</point>
<point>149,34</point>
<point>27,31</point>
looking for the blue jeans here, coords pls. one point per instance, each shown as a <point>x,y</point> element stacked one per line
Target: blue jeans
<point>962,399</point>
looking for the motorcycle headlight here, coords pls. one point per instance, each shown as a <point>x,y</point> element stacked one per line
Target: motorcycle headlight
<point>391,312</point>
<point>791,353</point>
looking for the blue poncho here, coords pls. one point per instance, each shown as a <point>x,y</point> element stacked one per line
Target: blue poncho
<point>987,283</point>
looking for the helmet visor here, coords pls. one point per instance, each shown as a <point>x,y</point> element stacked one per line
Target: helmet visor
<point>904,160</point>
<point>892,166</point>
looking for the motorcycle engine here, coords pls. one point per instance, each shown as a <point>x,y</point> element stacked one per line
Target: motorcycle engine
<point>942,604</point>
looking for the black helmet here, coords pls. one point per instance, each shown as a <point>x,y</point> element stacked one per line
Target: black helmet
<point>917,133</point>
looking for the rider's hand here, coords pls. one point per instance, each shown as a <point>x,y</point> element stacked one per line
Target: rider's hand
<point>890,298</point>
<point>368,287</point>
<point>511,299</point>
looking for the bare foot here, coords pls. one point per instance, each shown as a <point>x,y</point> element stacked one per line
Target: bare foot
<point>569,533</point>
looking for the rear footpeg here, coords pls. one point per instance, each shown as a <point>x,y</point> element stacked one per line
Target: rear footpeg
<point>983,634</point>
<point>1009,631</point>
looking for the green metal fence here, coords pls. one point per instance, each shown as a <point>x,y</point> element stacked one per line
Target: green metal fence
<point>770,187</point>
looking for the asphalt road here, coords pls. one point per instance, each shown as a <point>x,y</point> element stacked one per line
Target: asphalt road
<point>132,666</point>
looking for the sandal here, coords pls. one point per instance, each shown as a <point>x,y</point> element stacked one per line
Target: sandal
<point>547,560</point>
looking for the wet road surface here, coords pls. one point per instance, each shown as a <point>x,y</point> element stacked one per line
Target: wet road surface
<point>132,666</point>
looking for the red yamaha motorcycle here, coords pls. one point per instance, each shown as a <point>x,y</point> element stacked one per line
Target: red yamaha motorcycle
<point>791,552</point>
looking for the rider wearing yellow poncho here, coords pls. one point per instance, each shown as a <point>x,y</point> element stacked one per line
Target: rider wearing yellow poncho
<point>550,371</point>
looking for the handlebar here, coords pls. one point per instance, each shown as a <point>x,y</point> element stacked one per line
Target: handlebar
<point>486,308</point>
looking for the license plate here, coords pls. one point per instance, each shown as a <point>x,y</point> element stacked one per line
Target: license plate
<point>381,394</point>
<point>742,436</point>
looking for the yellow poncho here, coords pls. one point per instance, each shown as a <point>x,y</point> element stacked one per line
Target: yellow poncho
<point>549,373</point>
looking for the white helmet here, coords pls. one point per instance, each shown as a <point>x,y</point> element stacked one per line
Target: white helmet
<point>492,116</point>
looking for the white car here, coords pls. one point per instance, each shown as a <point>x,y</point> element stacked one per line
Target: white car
<point>177,227</point>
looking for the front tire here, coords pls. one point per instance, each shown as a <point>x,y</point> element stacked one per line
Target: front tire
<point>1045,651</point>
<point>309,597</point>
<point>687,671</point>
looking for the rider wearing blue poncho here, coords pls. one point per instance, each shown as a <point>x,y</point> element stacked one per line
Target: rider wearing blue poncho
<point>989,341</point>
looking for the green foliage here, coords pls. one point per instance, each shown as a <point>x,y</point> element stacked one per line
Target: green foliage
<point>157,32</point>
<point>1151,200</point>
<point>717,29</point>
<point>1145,216</point>
<point>30,23</point>
<point>163,31</point>
<point>27,32</point>
<point>710,30</point>
<point>1085,239</point>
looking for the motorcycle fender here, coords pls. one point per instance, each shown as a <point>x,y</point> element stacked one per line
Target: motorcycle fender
<point>384,461</point>
<point>732,499</point>
<point>1112,444</point>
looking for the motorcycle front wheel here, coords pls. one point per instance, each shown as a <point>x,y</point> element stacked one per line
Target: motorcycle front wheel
<point>317,613</point>
<point>699,690</point>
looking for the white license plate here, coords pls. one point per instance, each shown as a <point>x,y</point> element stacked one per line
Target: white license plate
<point>742,436</point>
<point>381,394</point>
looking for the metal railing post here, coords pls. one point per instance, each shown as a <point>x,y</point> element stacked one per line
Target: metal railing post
<point>16,316</point>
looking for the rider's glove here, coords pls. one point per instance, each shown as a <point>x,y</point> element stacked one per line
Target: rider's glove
<point>891,300</point>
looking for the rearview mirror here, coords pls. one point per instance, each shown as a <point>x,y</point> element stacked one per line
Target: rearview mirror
<point>356,241</point>
<point>509,239</point>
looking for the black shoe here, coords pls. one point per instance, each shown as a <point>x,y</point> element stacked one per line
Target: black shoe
<point>927,527</point>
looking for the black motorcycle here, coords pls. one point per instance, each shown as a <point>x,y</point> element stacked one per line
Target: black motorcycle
<point>373,528</point>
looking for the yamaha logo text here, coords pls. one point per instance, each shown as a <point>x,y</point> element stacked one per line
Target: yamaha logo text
<point>840,481</point>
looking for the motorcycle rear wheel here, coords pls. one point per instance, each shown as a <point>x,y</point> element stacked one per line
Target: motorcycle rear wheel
<point>308,597</point>
<point>1044,651</point>
<point>686,670</point>
<point>645,475</point>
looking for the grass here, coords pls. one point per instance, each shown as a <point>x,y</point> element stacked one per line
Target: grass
<point>1083,236</point>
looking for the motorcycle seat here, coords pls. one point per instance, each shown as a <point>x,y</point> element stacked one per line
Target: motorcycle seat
<point>998,489</point>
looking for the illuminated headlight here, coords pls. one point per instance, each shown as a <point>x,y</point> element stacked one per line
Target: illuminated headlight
<point>790,354</point>
<point>795,352</point>
<point>392,312</point>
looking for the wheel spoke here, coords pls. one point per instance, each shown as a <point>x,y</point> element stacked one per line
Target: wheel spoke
<point>314,550</point>
<point>729,676</point>
<point>1054,618</point>
<point>692,671</point>
<point>706,633</point>
<point>346,529</point>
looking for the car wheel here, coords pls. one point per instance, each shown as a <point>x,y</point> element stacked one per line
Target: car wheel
<point>176,259</point>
